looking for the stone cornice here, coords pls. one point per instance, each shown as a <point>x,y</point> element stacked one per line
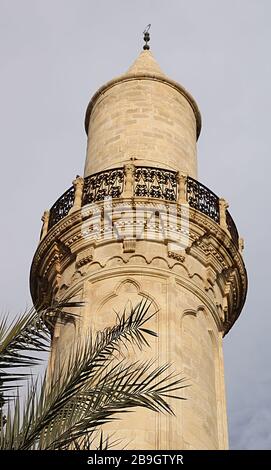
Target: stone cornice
<point>208,243</point>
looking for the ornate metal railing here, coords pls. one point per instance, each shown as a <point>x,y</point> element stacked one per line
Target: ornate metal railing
<point>103,184</point>
<point>202,198</point>
<point>139,181</point>
<point>232,228</point>
<point>154,182</point>
<point>61,207</point>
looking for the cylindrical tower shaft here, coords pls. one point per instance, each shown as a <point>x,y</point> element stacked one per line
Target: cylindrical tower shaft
<point>145,116</point>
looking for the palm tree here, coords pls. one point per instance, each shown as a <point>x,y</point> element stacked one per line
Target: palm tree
<point>91,391</point>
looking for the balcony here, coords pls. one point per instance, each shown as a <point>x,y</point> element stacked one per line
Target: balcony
<point>142,182</point>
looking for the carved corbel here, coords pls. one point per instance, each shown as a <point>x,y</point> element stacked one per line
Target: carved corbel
<point>129,245</point>
<point>84,257</point>
<point>53,267</point>
<point>229,275</point>
<point>198,241</point>
<point>210,278</point>
<point>176,255</point>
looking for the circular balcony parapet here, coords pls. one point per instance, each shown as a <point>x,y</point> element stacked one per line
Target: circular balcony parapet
<point>144,182</point>
<point>67,245</point>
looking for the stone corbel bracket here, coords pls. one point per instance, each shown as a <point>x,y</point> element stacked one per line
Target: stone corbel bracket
<point>129,245</point>
<point>84,257</point>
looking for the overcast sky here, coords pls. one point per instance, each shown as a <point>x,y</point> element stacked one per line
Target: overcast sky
<point>54,55</point>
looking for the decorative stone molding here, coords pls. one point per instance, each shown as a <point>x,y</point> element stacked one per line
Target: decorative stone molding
<point>177,256</point>
<point>210,278</point>
<point>129,246</point>
<point>209,245</point>
<point>225,307</point>
<point>64,249</point>
<point>85,257</point>
<point>73,239</point>
<point>229,280</point>
<point>55,262</point>
<point>198,240</point>
<point>199,221</point>
<point>194,312</point>
<point>77,275</point>
<point>86,212</point>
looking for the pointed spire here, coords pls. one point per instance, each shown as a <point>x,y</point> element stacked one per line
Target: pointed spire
<point>145,64</point>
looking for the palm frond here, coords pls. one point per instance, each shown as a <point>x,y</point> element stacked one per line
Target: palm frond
<point>85,364</point>
<point>122,389</point>
<point>92,389</point>
<point>25,336</point>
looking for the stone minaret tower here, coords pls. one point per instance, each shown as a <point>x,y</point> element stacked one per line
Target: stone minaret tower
<point>139,224</point>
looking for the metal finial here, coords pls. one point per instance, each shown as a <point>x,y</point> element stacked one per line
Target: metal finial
<point>146,33</point>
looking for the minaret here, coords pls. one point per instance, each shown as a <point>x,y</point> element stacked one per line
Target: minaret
<point>138,225</point>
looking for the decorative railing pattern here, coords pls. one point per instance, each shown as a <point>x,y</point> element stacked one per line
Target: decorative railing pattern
<point>104,184</point>
<point>61,207</point>
<point>203,199</point>
<point>154,182</point>
<point>146,182</point>
<point>232,228</point>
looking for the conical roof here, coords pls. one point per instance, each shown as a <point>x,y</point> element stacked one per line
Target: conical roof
<point>145,67</point>
<point>145,64</point>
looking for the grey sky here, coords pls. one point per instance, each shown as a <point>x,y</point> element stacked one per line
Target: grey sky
<point>54,54</point>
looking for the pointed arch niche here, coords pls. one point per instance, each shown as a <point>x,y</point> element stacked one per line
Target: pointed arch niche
<point>109,298</point>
